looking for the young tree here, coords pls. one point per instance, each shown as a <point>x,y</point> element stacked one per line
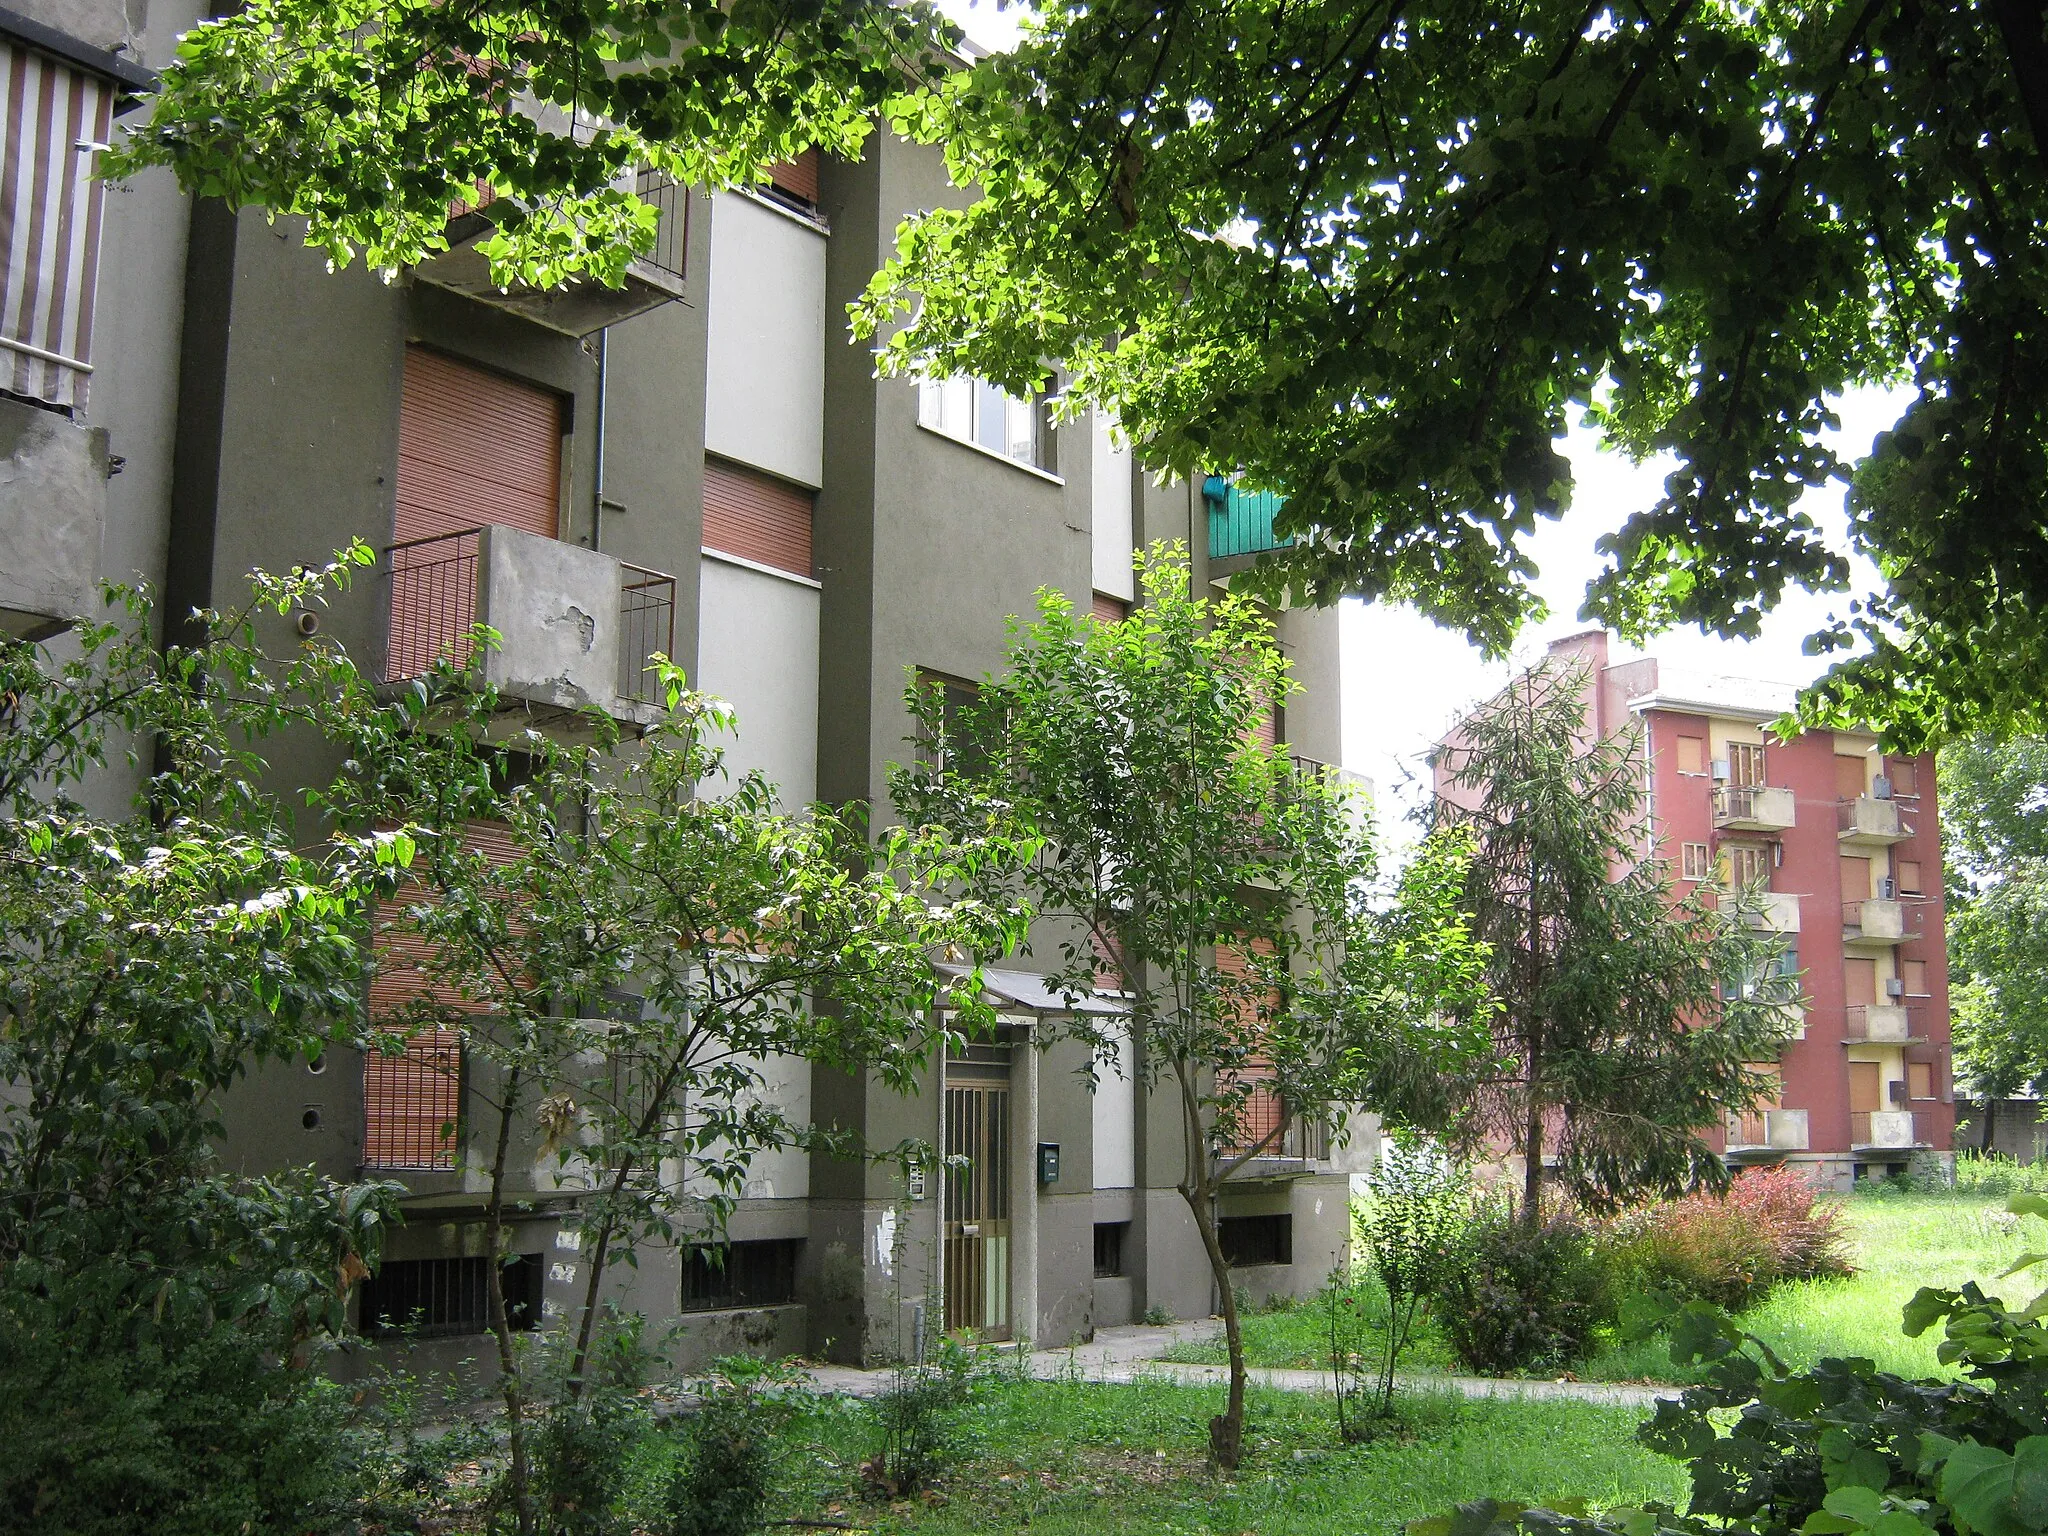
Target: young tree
<point>1629,1021</point>
<point>151,961</point>
<point>1222,888</point>
<point>627,950</point>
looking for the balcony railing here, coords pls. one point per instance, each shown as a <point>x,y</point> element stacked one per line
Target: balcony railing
<point>1882,1024</point>
<point>671,205</point>
<point>1241,521</point>
<point>433,602</point>
<point>647,627</point>
<point>1887,1129</point>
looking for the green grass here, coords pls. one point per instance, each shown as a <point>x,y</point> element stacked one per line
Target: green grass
<point>1063,1458</point>
<point>1901,1242</point>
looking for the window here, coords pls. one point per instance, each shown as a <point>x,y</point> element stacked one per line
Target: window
<point>1909,877</point>
<point>1692,754</point>
<point>980,413</point>
<point>1745,764</point>
<point>1696,862</point>
<point>1749,864</point>
<point>1253,1240</point>
<point>1110,610</point>
<point>721,1276</point>
<point>795,182</point>
<point>1109,1248</point>
<point>1914,974</point>
<point>1919,1081</point>
<point>962,736</point>
<point>448,1296</point>
<point>1751,980</point>
<point>50,113</point>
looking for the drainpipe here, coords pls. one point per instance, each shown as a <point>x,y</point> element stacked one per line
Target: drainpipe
<point>604,338</point>
<point>1024,1184</point>
<point>938,1198</point>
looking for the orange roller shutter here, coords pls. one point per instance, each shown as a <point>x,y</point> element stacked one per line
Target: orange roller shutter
<point>475,447</point>
<point>1111,610</point>
<point>757,517</point>
<point>797,178</point>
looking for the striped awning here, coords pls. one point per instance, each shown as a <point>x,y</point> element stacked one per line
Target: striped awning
<point>53,118</point>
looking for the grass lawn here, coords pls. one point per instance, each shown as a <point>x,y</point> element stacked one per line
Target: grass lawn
<point>1902,1242</point>
<point>1064,1458</point>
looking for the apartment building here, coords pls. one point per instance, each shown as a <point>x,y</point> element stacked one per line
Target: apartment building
<point>702,464</point>
<point>1844,842</point>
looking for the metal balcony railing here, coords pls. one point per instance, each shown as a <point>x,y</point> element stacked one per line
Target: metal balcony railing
<point>671,204</point>
<point>433,602</point>
<point>647,627</point>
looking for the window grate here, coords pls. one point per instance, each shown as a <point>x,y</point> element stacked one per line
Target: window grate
<point>718,1277</point>
<point>1253,1240</point>
<point>442,1297</point>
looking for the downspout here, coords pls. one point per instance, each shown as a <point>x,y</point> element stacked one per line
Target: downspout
<point>937,1322</point>
<point>604,338</point>
<point>1024,1181</point>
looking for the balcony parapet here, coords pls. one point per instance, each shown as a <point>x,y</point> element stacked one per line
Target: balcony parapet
<point>1882,1024</point>
<point>1752,808</point>
<point>1875,920</point>
<point>1767,1132</point>
<point>1887,1130</point>
<point>577,629</point>
<point>53,510</point>
<point>1871,821</point>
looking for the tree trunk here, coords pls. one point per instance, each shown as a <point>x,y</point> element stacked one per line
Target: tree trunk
<point>580,1362</point>
<point>1984,1137</point>
<point>509,1387</point>
<point>2019,23</point>
<point>1532,1158</point>
<point>1226,1430</point>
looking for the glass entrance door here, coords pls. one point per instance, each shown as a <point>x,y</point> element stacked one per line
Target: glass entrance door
<point>978,1208</point>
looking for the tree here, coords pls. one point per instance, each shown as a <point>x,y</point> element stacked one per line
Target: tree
<point>625,953</point>
<point>1994,808</point>
<point>1221,890</point>
<point>1376,256</point>
<point>1628,1019</point>
<point>156,1309</point>
<point>374,121</point>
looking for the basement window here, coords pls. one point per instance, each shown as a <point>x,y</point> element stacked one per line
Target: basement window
<point>1252,1240</point>
<point>719,1277</point>
<point>1109,1248</point>
<point>438,1298</point>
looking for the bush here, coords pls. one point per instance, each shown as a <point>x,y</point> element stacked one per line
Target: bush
<point>1992,1176</point>
<point>1844,1448</point>
<point>581,1453</point>
<point>1731,1249</point>
<point>1408,1234</point>
<point>1524,1298</point>
<point>729,1448</point>
<point>918,1417</point>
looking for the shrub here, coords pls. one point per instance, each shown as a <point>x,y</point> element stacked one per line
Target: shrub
<point>1731,1249</point>
<point>918,1417</point>
<point>1524,1298</point>
<point>581,1455</point>
<point>1408,1233</point>
<point>1843,1449</point>
<point>1991,1175</point>
<point>729,1448</point>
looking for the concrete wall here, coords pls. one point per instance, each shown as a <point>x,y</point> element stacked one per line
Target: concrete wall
<point>766,358</point>
<point>1112,517</point>
<point>758,650</point>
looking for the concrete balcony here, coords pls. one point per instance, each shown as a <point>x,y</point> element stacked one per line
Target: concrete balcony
<point>1762,1134</point>
<point>53,507</point>
<point>1886,1130</point>
<point>1775,912</point>
<point>1869,822</point>
<point>582,308</point>
<point>1752,808</point>
<point>1881,1024</point>
<point>1874,921</point>
<point>576,629</point>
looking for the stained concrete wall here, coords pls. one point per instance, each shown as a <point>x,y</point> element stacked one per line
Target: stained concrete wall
<point>758,650</point>
<point>53,502</point>
<point>766,353</point>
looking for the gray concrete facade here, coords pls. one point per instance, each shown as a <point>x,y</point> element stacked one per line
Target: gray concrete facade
<point>253,400</point>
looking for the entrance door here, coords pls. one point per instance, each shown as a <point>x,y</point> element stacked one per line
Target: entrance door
<point>977,1239</point>
<point>1849,776</point>
<point>1866,1094</point>
<point>1859,982</point>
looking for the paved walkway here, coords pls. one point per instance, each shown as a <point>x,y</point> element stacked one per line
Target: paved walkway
<point>1128,1354</point>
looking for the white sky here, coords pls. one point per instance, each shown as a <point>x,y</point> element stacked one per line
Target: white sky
<point>1404,678</point>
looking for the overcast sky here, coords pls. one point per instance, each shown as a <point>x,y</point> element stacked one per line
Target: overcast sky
<point>1404,678</point>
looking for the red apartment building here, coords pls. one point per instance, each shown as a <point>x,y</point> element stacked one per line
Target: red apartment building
<point>1845,841</point>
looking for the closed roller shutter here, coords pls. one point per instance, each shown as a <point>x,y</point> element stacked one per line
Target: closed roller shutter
<point>1262,1116</point>
<point>757,517</point>
<point>1111,610</point>
<point>412,1103</point>
<point>797,178</point>
<point>475,447</point>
